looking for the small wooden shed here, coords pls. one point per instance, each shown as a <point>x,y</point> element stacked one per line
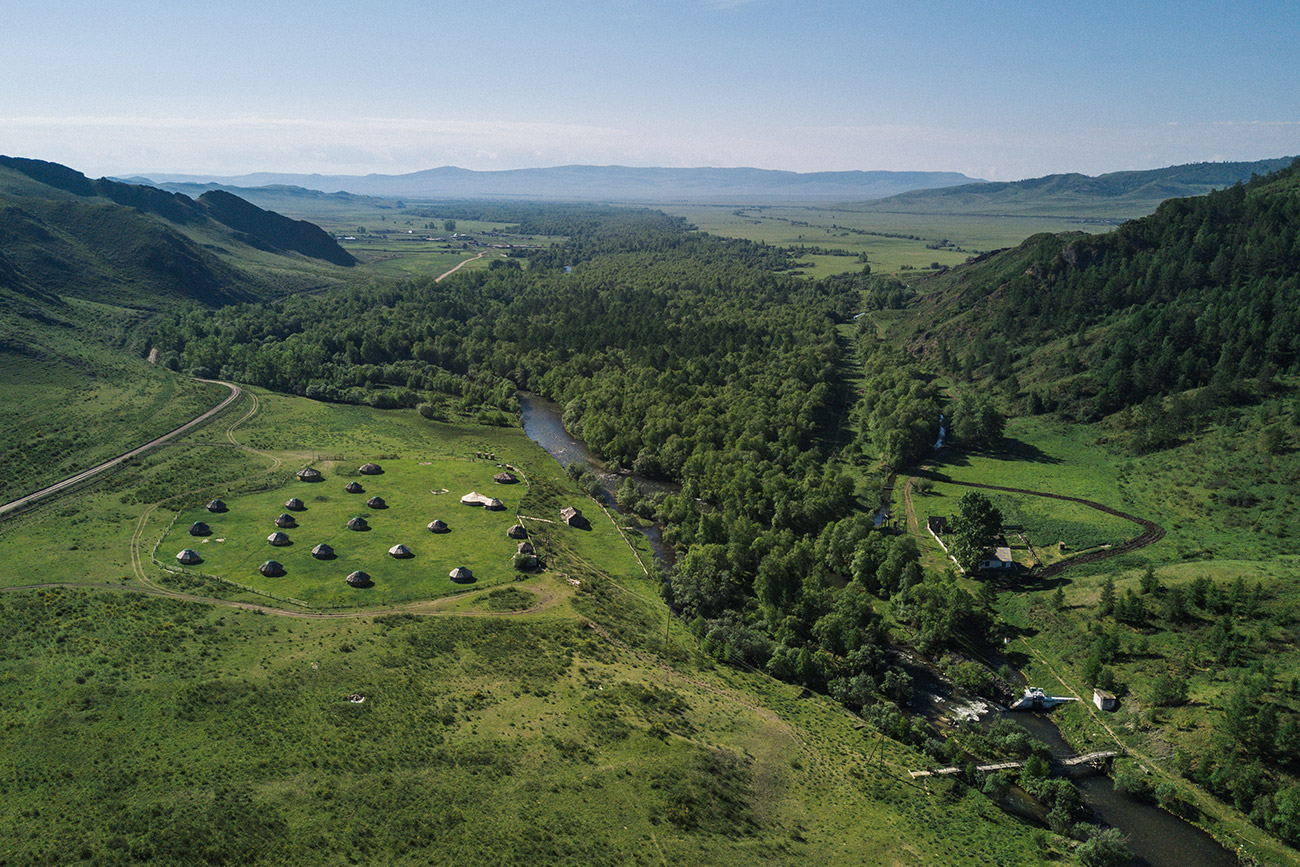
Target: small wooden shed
<point>1104,700</point>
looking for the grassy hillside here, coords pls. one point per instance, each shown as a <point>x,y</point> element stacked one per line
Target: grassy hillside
<point>573,732</point>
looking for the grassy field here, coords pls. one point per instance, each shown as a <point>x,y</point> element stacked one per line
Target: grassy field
<point>150,730</point>
<point>893,242</point>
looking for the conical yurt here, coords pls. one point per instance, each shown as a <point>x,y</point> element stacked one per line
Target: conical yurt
<point>216,506</point>
<point>358,523</point>
<point>526,548</point>
<point>370,470</point>
<point>279,540</point>
<point>461,575</point>
<point>354,488</point>
<point>504,478</point>
<point>438,526</point>
<point>323,552</point>
<point>376,503</point>
<point>271,568</point>
<point>358,579</point>
<point>295,505</point>
<point>188,557</point>
<point>517,531</point>
<point>285,520</point>
<point>198,528</point>
<point>309,474</point>
<point>401,552</point>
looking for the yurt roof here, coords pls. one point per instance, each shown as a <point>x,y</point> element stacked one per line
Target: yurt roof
<point>296,504</point>
<point>505,478</point>
<point>460,573</point>
<point>358,523</point>
<point>358,579</point>
<point>309,473</point>
<point>322,550</point>
<point>376,503</point>
<point>370,469</point>
<point>188,555</point>
<point>285,520</point>
<point>517,531</point>
<point>400,551</point>
<point>278,539</point>
<point>354,488</point>
<point>270,567</point>
<point>198,528</point>
<point>438,525</point>
<point>216,506</point>
<point>526,548</point>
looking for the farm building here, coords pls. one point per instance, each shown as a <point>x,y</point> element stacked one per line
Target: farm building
<point>937,524</point>
<point>309,474</point>
<point>474,498</point>
<point>295,505</point>
<point>323,552</point>
<point>1104,700</point>
<point>437,526</point>
<point>189,557</point>
<point>573,517</point>
<point>371,470</point>
<point>285,520</point>
<point>461,575</point>
<point>401,552</point>
<point>358,523</point>
<point>278,539</point>
<point>198,528</point>
<point>505,478</point>
<point>517,532</point>
<point>1001,560</point>
<point>376,503</point>
<point>354,488</point>
<point>216,506</point>
<point>358,579</point>
<point>271,568</point>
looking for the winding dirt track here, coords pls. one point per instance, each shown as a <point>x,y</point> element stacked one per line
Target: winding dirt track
<point>1151,531</point>
<point>235,392</point>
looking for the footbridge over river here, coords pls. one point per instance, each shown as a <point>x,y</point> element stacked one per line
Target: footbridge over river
<point>1093,759</point>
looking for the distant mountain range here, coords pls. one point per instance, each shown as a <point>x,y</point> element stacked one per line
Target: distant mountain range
<point>1118,195</point>
<point>603,183</point>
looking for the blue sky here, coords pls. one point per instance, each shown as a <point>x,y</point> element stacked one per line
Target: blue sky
<point>996,90</point>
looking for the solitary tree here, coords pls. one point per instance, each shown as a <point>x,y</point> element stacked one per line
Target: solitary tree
<point>974,529</point>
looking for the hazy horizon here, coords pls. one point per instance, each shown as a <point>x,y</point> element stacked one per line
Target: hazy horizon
<point>999,92</point>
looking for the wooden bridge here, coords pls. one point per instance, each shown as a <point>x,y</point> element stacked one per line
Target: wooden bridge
<point>1071,762</point>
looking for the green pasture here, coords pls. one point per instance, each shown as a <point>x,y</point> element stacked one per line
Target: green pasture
<point>416,492</point>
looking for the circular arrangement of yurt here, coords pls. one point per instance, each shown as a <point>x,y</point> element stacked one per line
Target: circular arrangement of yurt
<point>279,540</point>
<point>461,575</point>
<point>358,523</point>
<point>295,505</point>
<point>376,503</point>
<point>358,579</point>
<point>323,552</point>
<point>309,474</point>
<point>517,531</point>
<point>271,569</point>
<point>285,520</point>
<point>354,488</point>
<point>505,478</point>
<point>216,506</point>
<point>189,557</point>
<point>438,526</point>
<point>401,552</point>
<point>198,528</point>
<point>370,470</point>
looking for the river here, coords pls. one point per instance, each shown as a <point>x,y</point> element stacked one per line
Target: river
<point>1157,838</point>
<point>543,423</point>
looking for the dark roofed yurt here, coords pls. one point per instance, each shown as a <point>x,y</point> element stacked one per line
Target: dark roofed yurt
<point>517,531</point>
<point>358,523</point>
<point>216,506</point>
<point>461,575</point>
<point>271,568</point>
<point>358,579</point>
<point>309,474</point>
<point>295,505</point>
<point>505,478</point>
<point>354,488</point>
<point>198,528</point>
<point>278,539</point>
<point>376,503</point>
<point>438,526</point>
<point>285,520</point>
<point>526,548</point>
<point>323,552</point>
<point>371,470</point>
<point>188,557</point>
<point>401,552</point>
